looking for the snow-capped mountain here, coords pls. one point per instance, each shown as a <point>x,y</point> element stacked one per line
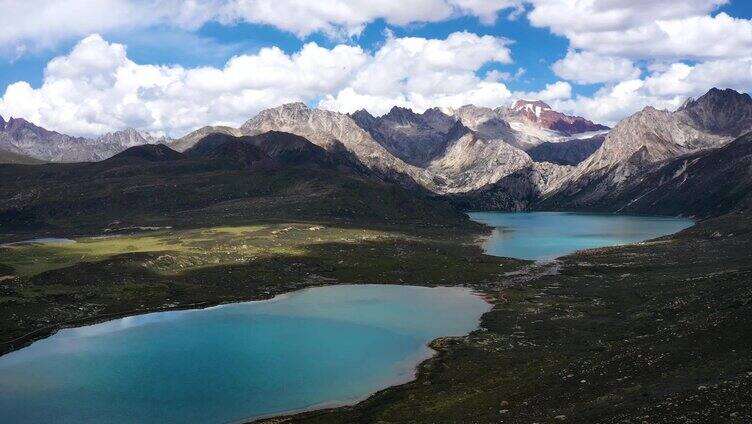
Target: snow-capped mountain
<point>538,114</point>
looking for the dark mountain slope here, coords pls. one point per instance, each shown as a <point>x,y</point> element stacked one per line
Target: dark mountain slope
<point>570,152</point>
<point>225,147</point>
<point>145,153</point>
<point>725,112</point>
<point>276,149</point>
<point>204,189</point>
<point>702,184</point>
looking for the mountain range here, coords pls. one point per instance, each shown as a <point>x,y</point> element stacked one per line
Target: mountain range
<point>22,137</point>
<point>511,158</point>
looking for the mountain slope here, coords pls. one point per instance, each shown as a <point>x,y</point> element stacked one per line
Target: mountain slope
<point>490,124</point>
<point>651,136</point>
<point>150,185</point>
<point>273,150</point>
<point>189,140</point>
<point>518,191</point>
<point>569,152</point>
<point>145,153</point>
<point>415,138</point>
<point>472,161</point>
<point>7,157</point>
<point>724,112</point>
<point>332,131</point>
<point>701,184</point>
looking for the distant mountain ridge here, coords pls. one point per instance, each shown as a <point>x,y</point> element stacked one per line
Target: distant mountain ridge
<point>22,137</point>
<point>519,157</point>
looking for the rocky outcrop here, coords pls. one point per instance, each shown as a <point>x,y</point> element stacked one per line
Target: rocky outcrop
<point>332,131</point>
<point>20,136</point>
<point>569,152</point>
<point>517,191</point>
<point>130,137</point>
<point>722,112</point>
<point>415,138</point>
<point>490,124</point>
<point>472,161</point>
<point>700,184</point>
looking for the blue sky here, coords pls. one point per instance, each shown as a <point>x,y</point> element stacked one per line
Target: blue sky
<point>536,35</point>
<point>534,49</point>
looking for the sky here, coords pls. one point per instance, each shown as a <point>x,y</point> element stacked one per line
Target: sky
<point>86,67</point>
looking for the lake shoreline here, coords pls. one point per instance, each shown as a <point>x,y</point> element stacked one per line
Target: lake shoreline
<point>584,273</point>
<point>409,364</point>
<point>612,337</point>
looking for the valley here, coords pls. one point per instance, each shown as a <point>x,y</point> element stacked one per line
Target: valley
<point>653,332</point>
<point>303,197</point>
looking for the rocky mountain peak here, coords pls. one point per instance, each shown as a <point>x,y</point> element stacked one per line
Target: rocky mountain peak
<point>718,100</point>
<point>2,123</point>
<point>128,137</point>
<point>363,118</point>
<point>19,128</point>
<point>725,95</point>
<point>534,106</point>
<point>362,113</point>
<point>402,115</point>
<point>726,112</point>
<point>333,130</point>
<point>436,113</point>
<point>294,106</point>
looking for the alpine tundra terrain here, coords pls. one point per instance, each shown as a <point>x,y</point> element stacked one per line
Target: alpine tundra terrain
<point>299,196</point>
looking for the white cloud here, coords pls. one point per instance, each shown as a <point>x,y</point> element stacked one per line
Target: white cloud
<point>488,10</point>
<point>646,29</point>
<point>591,68</point>
<point>35,24</point>
<point>607,36</point>
<point>97,88</point>
<point>557,91</point>
<point>698,37</point>
<point>566,17</point>
<point>665,88</point>
<point>612,103</point>
<point>420,73</point>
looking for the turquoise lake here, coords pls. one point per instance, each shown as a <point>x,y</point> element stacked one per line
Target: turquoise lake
<point>313,348</point>
<point>548,235</point>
